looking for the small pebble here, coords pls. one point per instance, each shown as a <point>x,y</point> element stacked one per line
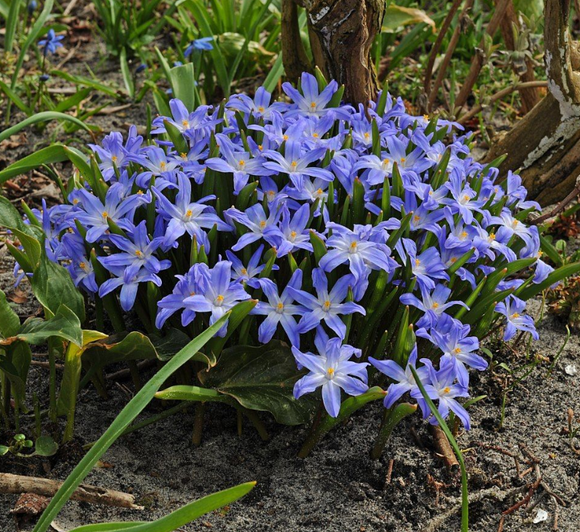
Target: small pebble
<point>570,369</point>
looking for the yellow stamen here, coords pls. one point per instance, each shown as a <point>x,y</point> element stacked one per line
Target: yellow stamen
<point>188,213</point>
<point>313,105</point>
<point>294,164</point>
<point>326,305</point>
<point>403,159</point>
<point>262,224</point>
<point>114,158</point>
<point>315,135</point>
<point>417,262</point>
<point>285,137</point>
<point>83,265</point>
<point>457,350</point>
<point>515,315</point>
<point>435,305</point>
<point>184,155</point>
<point>105,214</point>
<point>244,271</point>
<point>220,298</point>
<point>185,123</point>
<point>330,372</point>
<point>241,162</point>
<point>261,109</point>
<point>463,234</point>
<point>280,306</point>
<point>138,253</point>
<point>446,390</point>
<point>260,147</point>
<point>319,192</point>
<point>293,234</point>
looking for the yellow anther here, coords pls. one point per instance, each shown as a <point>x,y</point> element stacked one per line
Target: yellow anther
<point>244,271</point>
<point>183,155</point>
<point>403,159</point>
<point>435,305</point>
<point>367,135</point>
<point>315,135</point>
<point>140,193</point>
<point>326,305</point>
<point>138,253</point>
<point>492,236</point>
<point>465,197</point>
<point>330,372</point>
<point>417,262</point>
<point>114,158</point>
<point>241,162</point>
<point>457,350</point>
<point>319,192</point>
<point>463,234</point>
<point>105,214</point>
<point>313,105</point>
<point>446,390</point>
<point>220,298</point>
<point>515,315</point>
<point>280,306</point>
<point>285,137</point>
<point>188,213</point>
<point>262,224</point>
<point>185,123</point>
<point>294,164</point>
<point>386,161</point>
<point>261,109</point>
<point>83,265</point>
<point>453,260</point>
<point>260,147</point>
<point>162,165</point>
<point>426,117</point>
<point>416,218</point>
<point>293,234</point>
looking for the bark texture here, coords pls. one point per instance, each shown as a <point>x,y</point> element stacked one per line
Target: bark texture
<point>341,35</point>
<point>545,144</point>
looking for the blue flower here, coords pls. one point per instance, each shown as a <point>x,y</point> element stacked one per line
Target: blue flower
<point>219,295</point>
<point>128,279</point>
<point>334,371</point>
<point>404,378</point>
<point>199,45</point>
<point>434,303</point>
<point>136,253</point>
<point>279,310</point>
<point>291,233</point>
<point>513,309</point>
<point>440,387</point>
<point>327,306</point>
<point>186,216</point>
<point>248,274</point>
<point>358,249</point>
<point>50,43</point>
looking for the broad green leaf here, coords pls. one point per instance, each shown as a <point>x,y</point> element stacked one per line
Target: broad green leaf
<point>121,422</point>
<point>45,116</point>
<point>260,378</point>
<point>9,320</point>
<point>173,341</point>
<point>275,74</point>
<point>10,218</point>
<point>182,81</point>
<point>396,17</point>
<point>52,285</point>
<point>64,324</point>
<point>180,517</point>
<point>45,446</point>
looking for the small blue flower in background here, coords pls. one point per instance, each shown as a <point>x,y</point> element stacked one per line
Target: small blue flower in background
<point>50,43</point>
<point>199,45</point>
<point>31,7</point>
<point>332,370</point>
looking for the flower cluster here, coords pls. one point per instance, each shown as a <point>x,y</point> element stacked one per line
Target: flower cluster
<point>342,222</point>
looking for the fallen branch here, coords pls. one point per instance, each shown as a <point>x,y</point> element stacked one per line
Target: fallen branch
<point>43,486</point>
<point>444,447</point>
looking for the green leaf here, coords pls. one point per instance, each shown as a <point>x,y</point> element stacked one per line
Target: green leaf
<point>126,73</point>
<point>64,324</point>
<point>52,285</point>
<point>179,518</point>
<point>45,446</point>
<point>50,154</point>
<point>11,25</point>
<point>275,74</point>
<point>260,378</point>
<point>193,393</point>
<point>121,422</point>
<point>9,320</point>
<point>45,116</point>
<point>182,81</point>
<point>396,17</point>
<point>10,218</point>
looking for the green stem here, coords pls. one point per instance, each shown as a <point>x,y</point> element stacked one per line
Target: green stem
<point>257,422</point>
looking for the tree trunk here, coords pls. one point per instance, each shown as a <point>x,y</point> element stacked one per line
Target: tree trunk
<point>341,35</point>
<point>545,144</point>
